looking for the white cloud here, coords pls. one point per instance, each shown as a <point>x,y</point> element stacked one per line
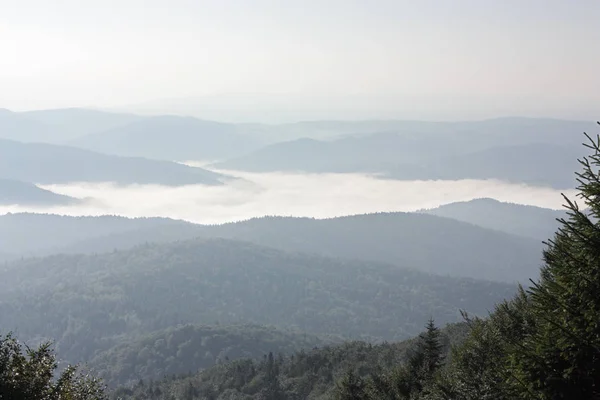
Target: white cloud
<point>312,195</point>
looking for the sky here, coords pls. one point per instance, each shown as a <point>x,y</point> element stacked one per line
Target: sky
<point>253,60</point>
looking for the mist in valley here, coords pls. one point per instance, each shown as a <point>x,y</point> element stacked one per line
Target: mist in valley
<point>261,200</point>
<point>284,194</point>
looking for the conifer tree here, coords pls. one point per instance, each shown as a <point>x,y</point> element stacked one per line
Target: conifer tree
<point>351,387</point>
<point>560,355</point>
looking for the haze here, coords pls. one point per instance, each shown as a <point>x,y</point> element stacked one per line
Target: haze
<point>284,194</point>
<point>273,61</point>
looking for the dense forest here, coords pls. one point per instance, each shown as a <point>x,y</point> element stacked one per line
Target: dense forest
<point>87,303</point>
<point>188,348</point>
<point>303,375</point>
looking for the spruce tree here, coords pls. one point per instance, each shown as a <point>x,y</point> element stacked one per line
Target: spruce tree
<point>559,356</point>
<point>351,387</point>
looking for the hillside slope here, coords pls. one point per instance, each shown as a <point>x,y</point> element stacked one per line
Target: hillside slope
<point>22,193</point>
<point>534,222</point>
<point>171,138</point>
<point>46,163</point>
<point>304,375</point>
<point>90,303</point>
<point>428,243</point>
<point>188,348</point>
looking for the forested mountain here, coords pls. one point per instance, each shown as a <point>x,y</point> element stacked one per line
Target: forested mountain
<point>171,138</point>
<point>423,157</point>
<point>535,164</point>
<point>304,375</point>
<point>424,242</point>
<point>70,123</point>
<point>18,127</point>
<point>89,303</point>
<point>46,163</point>
<point>58,125</point>
<point>188,348</point>
<point>427,243</point>
<point>16,192</point>
<point>517,219</point>
<point>39,234</point>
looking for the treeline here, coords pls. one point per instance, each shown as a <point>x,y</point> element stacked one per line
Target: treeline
<point>304,375</point>
<point>188,348</point>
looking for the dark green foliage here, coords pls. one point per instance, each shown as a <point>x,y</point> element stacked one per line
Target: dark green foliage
<point>478,367</point>
<point>351,387</point>
<point>561,351</point>
<point>344,370</point>
<point>188,348</point>
<point>409,381</point>
<point>28,374</point>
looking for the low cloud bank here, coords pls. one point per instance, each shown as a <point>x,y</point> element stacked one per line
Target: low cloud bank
<point>285,194</point>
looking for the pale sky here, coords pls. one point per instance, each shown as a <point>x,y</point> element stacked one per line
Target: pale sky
<point>424,59</point>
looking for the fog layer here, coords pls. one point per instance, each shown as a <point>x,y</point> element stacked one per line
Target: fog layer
<point>286,194</point>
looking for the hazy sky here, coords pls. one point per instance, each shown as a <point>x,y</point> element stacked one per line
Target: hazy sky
<point>419,59</point>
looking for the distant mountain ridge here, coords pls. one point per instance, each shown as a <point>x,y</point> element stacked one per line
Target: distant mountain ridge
<point>15,192</point>
<point>429,243</point>
<point>47,163</point>
<point>534,222</point>
<point>171,138</point>
<point>532,151</point>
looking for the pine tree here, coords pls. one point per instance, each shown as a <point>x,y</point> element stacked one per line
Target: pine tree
<point>431,347</point>
<point>351,387</point>
<point>560,354</point>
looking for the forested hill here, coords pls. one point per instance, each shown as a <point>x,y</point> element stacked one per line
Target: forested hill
<point>53,164</point>
<point>188,348</point>
<point>517,219</point>
<point>15,192</point>
<point>425,242</point>
<point>89,303</point>
<point>42,234</point>
<point>304,375</point>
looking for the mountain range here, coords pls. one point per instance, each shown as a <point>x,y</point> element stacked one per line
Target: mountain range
<point>46,163</point>
<point>517,219</point>
<point>171,138</point>
<point>428,243</point>
<point>421,157</point>
<point>22,193</point>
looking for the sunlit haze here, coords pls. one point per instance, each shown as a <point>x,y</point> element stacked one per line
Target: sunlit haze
<point>273,61</point>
